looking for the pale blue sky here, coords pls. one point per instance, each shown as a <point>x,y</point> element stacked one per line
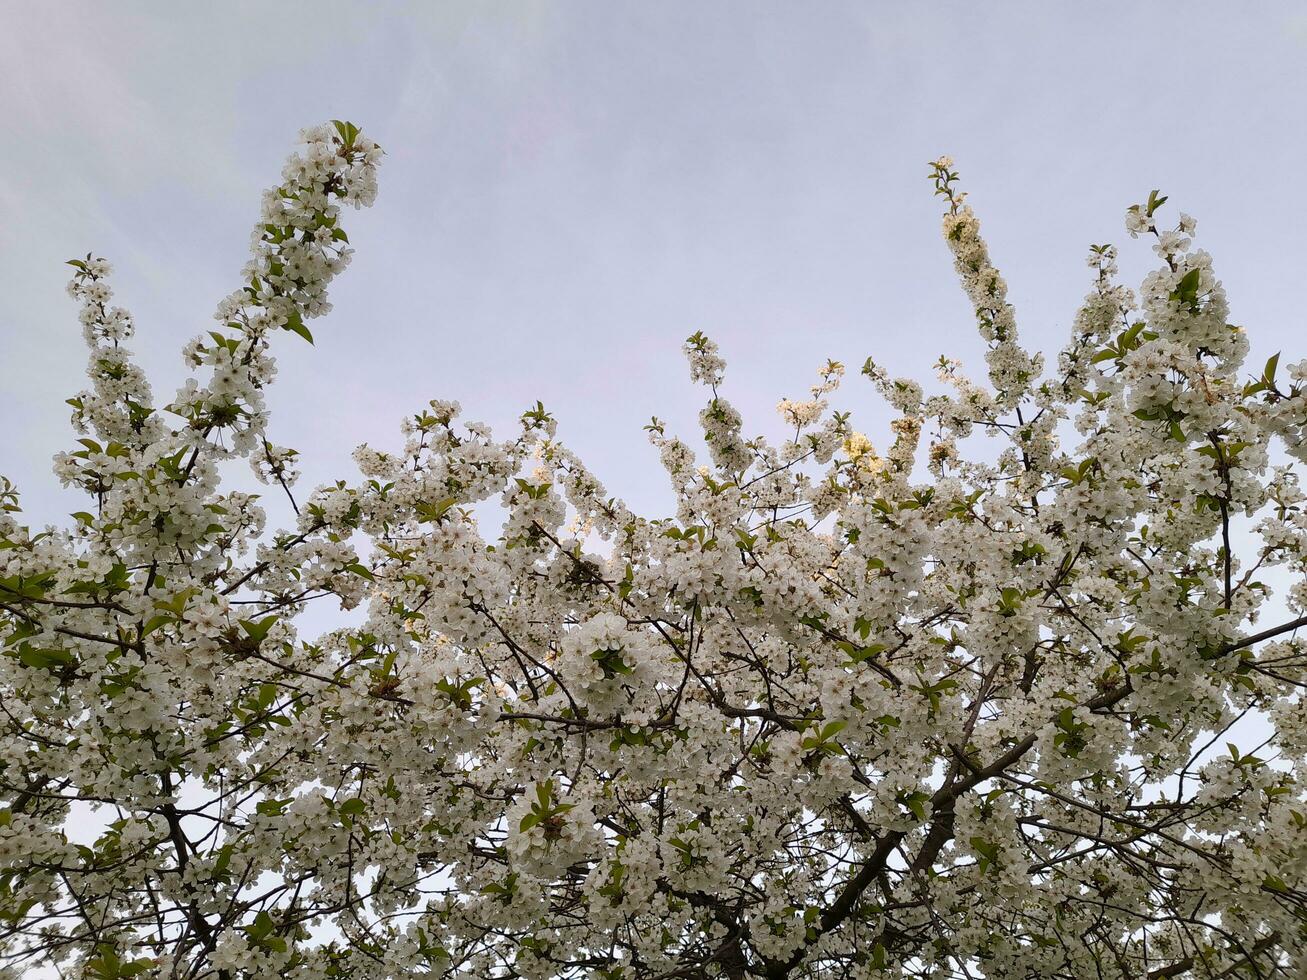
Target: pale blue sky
<point>572,189</point>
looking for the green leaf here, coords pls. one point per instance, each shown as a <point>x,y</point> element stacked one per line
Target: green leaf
<point>434,511</point>
<point>831,729</point>
<point>295,324</point>
<point>352,808</point>
<point>30,656</point>
<point>258,629</point>
<point>223,860</point>
<point>347,130</point>
<point>916,803</point>
<point>156,622</point>
<point>860,654</point>
<point>1268,373</point>
<point>987,850</point>
<point>879,957</point>
<point>1186,291</point>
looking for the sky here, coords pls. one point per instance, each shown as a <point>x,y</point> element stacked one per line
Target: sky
<point>572,189</point>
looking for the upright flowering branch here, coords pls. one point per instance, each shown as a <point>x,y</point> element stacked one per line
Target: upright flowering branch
<point>299,247</point>
<point>1011,369</point>
<point>119,408</point>
<point>1025,714</point>
<point>125,681</point>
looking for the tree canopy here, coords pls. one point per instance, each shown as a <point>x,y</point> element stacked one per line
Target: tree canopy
<point>1013,697</point>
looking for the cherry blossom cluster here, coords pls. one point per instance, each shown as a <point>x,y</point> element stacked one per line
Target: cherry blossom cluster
<point>1019,694</point>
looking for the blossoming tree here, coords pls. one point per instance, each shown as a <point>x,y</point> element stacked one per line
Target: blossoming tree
<point>942,712</point>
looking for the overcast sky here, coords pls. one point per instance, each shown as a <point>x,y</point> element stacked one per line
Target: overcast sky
<point>572,189</point>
